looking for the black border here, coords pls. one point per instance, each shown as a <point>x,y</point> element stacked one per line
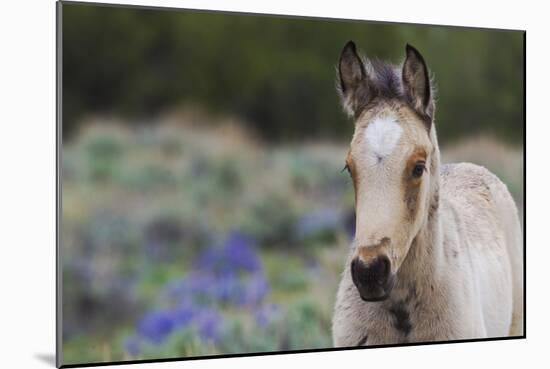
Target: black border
<point>59,147</point>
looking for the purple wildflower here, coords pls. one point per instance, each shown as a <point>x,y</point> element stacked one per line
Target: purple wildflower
<point>208,324</point>
<point>176,289</point>
<point>199,283</point>
<point>156,326</point>
<point>183,314</point>
<point>132,346</point>
<point>266,314</point>
<point>238,252</point>
<point>197,286</point>
<point>313,223</point>
<point>256,288</point>
<point>235,254</point>
<point>227,287</point>
<point>208,259</point>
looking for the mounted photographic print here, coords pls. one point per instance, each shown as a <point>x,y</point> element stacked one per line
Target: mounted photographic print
<point>242,184</point>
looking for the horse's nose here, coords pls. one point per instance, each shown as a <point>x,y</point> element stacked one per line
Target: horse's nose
<point>372,278</point>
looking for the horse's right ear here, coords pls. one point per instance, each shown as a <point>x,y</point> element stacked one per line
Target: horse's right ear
<point>353,86</point>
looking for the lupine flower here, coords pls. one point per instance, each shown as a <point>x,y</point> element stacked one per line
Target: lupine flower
<point>183,314</point>
<point>208,259</point>
<point>156,326</point>
<point>176,290</point>
<point>208,324</point>
<point>132,346</point>
<point>266,314</point>
<point>229,273</point>
<point>236,253</point>
<point>256,288</point>
<point>239,253</point>
<point>228,287</point>
<point>197,286</point>
<point>313,223</point>
<point>200,285</point>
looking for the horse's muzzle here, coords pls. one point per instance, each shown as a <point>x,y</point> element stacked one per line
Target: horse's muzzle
<point>373,280</point>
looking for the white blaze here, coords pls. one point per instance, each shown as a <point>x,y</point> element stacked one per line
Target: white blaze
<point>382,135</point>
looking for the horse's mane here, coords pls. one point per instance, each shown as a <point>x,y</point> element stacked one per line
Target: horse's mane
<point>386,78</point>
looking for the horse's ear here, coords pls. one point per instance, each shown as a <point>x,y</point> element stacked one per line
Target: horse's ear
<point>416,83</point>
<point>353,84</point>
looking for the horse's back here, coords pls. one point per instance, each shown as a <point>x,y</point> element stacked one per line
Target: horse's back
<point>486,217</point>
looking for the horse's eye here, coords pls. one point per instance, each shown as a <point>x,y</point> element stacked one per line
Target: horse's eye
<point>418,170</point>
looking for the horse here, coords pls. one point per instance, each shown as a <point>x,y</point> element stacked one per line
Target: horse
<point>437,254</point>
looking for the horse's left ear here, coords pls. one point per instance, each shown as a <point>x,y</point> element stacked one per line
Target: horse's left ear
<point>416,83</point>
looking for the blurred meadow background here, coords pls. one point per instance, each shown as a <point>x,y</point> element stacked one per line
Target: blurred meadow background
<point>204,210</point>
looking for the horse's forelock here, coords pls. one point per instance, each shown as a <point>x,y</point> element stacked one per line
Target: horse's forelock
<point>386,78</point>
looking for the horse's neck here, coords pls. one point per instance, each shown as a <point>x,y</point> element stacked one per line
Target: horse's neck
<point>426,253</point>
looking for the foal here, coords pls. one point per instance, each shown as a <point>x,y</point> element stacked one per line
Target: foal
<point>437,253</point>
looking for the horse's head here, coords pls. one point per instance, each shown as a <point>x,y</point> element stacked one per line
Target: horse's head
<point>392,161</point>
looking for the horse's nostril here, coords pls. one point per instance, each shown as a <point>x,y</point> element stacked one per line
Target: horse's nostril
<point>381,268</point>
<point>373,279</point>
<point>370,276</point>
<point>357,272</point>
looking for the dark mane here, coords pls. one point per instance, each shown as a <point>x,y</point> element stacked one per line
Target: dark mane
<point>386,79</point>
